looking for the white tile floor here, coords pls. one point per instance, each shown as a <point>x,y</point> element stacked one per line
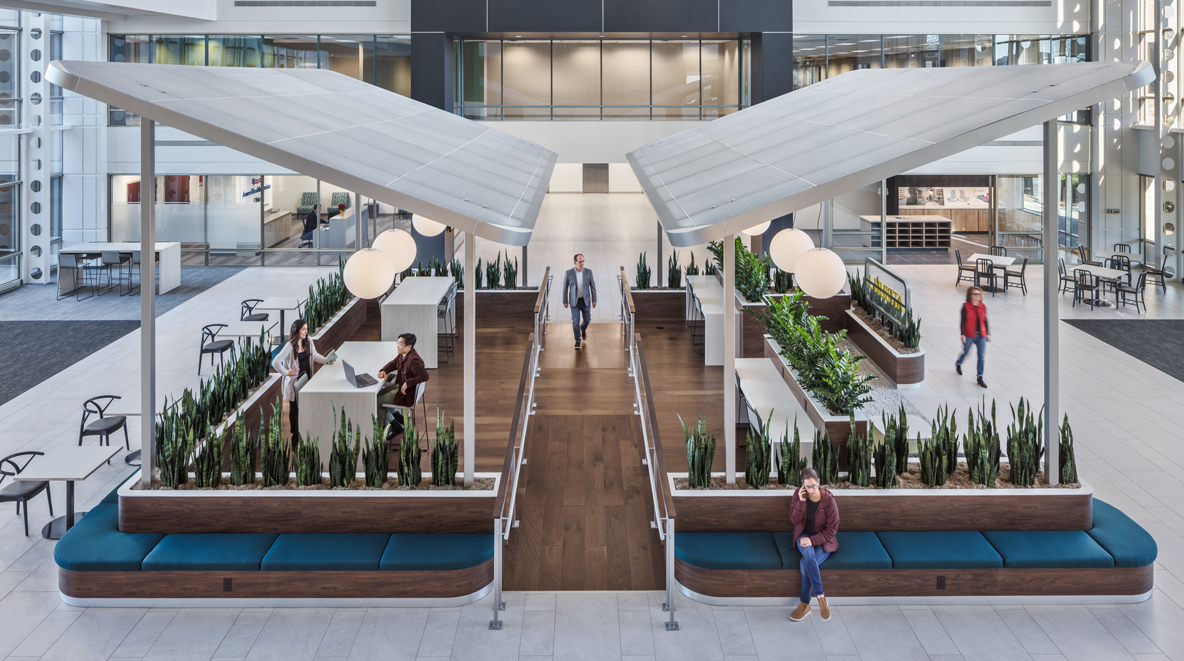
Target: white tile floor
<point>1125,415</point>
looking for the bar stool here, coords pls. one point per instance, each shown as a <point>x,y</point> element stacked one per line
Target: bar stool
<point>445,321</point>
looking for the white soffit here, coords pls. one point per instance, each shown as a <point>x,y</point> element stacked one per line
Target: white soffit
<point>851,131</point>
<point>347,132</point>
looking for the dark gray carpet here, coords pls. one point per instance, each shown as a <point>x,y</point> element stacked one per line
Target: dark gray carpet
<point>35,350</point>
<point>1157,342</point>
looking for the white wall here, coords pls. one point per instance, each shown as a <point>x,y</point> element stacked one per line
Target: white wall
<point>84,145</point>
<point>592,141</point>
<point>1018,153</point>
<point>387,16</point>
<point>819,17</point>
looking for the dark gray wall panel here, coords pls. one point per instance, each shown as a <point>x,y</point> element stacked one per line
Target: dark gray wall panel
<point>544,16</point>
<point>755,15</point>
<point>432,69</point>
<point>772,65</point>
<point>448,16</point>
<point>661,15</point>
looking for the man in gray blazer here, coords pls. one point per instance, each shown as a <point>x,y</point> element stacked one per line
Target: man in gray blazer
<point>579,290</point>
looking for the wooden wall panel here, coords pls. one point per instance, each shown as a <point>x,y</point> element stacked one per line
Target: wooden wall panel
<point>903,369</point>
<point>962,220</point>
<point>512,308</point>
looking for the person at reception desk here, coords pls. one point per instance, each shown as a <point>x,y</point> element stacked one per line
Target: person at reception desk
<point>295,361</point>
<point>405,373</point>
<point>311,220</point>
<point>579,290</point>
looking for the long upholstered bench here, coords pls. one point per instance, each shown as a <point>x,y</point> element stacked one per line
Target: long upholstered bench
<point>1115,558</point>
<point>96,561</point>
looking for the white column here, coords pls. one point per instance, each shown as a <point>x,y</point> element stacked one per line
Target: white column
<point>147,298</point>
<point>1052,353</point>
<point>33,212</point>
<point>730,357</point>
<point>470,424</point>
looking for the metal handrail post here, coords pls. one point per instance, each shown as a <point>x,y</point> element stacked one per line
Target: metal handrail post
<point>671,624</point>
<point>498,605</point>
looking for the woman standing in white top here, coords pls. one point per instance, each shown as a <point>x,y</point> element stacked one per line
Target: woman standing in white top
<point>295,361</point>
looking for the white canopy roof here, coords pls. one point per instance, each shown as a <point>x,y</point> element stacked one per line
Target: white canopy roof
<point>347,132</point>
<point>850,131</point>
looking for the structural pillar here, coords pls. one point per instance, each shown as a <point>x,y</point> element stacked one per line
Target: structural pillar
<point>883,221</point>
<point>147,299</point>
<point>470,383</point>
<point>1052,353</point>
<point>660,264</point>
<point>730,357</point>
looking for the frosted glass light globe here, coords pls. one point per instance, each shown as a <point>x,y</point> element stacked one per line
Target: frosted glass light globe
<point>399,248</point>
<point>788,246</point>
<point>820,273</point>
<point>426,226</point>
<point>369,273</point>
<point>757,229</point>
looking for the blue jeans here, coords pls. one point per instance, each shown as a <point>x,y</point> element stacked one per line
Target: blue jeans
<point>812,556</point>
<point>979,341</point>
<point>578,307</point>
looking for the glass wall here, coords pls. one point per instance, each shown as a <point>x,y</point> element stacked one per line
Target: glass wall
<point>9,79</point>
<point>600,78</point>
<point>10,247</point>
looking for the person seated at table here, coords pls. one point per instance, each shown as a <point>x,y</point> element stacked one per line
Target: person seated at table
<point>310,226</point>
<point>404,374</point>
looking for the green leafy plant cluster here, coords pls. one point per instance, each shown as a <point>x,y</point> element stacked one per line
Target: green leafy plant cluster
<point>896,435</point>
<point>823,458</point>
<point>274,448</point>
<point>343,457</point>
<point>828,372</point>
<point>1025,443</point>
<point>445,453</point>
<point>643,273</point>
<point>939,455</point>
<point>782,281</point>
<point>908,332</point>
<point>180,427</point>
<point>700,452</point>
<point>458,272</point>
<point>752,270</point>
<point>207,462</point>
<point>325,299</point>
<point>1068,459</point>
<point>859,456</point>
<point>981,446</point>
<point>493,273</point>
<point>437,267</point>
<point>790,461</point>
<point>673,272</point>
<point>242,454</point>
<point>306,460</point>
<point>376,453</point>
<point>510,273</point>
<point>758,456</point>
<point>884,456</point>
<point>478,275</point>
<point>234,381</point>
<point>409,471</point>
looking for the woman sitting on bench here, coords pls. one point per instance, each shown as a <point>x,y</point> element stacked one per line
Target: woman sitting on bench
<point>815,518</point>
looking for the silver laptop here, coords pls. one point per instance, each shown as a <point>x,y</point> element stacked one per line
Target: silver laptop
<point>359,380</point>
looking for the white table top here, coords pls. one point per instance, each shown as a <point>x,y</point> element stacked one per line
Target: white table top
<point>67,463</point>
<point>709,292</point>
<point>420,291</point>
<point>1100,255</point>
<point>364,357</point>
<point>1100,271</point>
<point>238,328</point>
<point>768,393</point>
<point>996,260</point>
<point>280,303</point>
<point>130,246</point>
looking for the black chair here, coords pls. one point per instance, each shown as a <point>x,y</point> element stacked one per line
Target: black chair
<point>1008,274</point>
<point>134,273</point>
<point>1085,283</point>
<point>105,425</point>
<point>1120,263</point>
<point>1127,293</point>
<point>1067,282</point>
<point>1083,252</point>
<point>212,345</point>
<point>445,322</point>
<point>1122,247</point>
<point>21,492</point>
<point>985,271</point>
<point>247,313</point>
<point>1161,274</point>
<point>80,272</point>
<point>965,271</point>
<point>997,251</point>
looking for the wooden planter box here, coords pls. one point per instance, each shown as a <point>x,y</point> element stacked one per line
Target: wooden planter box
<point>339,329</point>
<point>874,510</point>
<point>659,305</point>
<point>837,426</point>
<point>251,411</point>
<point>906,369</point>
<point>307,511</point>
<point>501,308</point>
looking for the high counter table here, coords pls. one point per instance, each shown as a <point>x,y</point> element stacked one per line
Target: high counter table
<point>328,390</point>
<point>711,299</point>
<point>411,308</point>
<point>168,256</point>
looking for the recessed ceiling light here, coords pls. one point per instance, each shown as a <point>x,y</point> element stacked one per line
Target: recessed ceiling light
<point>684,36</point>
<point>517,36</point>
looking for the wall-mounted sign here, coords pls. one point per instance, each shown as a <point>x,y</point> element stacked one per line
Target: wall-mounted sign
<point>944,197</point>
<point>887,292</point>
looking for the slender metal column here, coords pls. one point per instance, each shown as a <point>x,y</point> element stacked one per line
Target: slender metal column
<point>883,221</point>
<point>729,322</point>
<point>147,298</point>
<point>1052,349</point>
<point>525,267</point>
<point>470,425</point>
<point>660,264</point>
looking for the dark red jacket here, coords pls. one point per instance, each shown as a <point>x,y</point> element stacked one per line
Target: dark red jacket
<point>826,520</point>
<point>408,369</point>
<point>974,320</point>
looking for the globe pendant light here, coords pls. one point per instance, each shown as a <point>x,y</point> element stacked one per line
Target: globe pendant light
<point>399,248</point>
<point>757,229</point>
<point>788,246</point>
<point>820,273</point>
<point>369,273</point>
<point>426,226</point>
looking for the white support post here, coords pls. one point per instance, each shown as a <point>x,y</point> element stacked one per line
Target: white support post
<point>730,358</point>
<point>147,298</point>
<point>1052,377</point>
<point>883,221</point>
<point>470,383</point>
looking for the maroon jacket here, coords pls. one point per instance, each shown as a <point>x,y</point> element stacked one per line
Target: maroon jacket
<point>408,369</point>
<point>826,520</point>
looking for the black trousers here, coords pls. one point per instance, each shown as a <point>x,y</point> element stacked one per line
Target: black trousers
<point>294,420</point>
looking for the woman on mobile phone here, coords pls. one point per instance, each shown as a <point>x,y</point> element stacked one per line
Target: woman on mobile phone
<point>815,518</point>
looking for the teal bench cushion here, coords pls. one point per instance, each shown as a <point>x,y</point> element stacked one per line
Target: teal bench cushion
<point>325,552</point>
<point>1048,549</point>
<point>857,550</point>
<point>727,550</point>
<point>441,552</point>
<point>939,550</point>
<point>210,552</point>
<point>1123,539</point>
<point>95,544</point>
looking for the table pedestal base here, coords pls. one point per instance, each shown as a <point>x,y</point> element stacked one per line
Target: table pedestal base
<point>56,528</point>
<point>132,458</point>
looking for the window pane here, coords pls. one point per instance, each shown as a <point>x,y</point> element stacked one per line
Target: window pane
<point>236,52</point>
<point>577,79</point>
<point>392,65</point>
<point>675,76</point>
<point>482,79</point>
<point>1019,49</point>
<point>55,208</point>
<point>9,163</point>
<point>9,236</point>
<point>288,220</point>
<point>911,51</point>
<point>9,75</point>
<point>350,55</point>
<point>527,79</point>
<point>233,219</point>
<point>180,211</point>
<point>967,50</point>
<point>179,50</point>
<point>130,48</point>
<point>626,79</point>
<point>299,52</point>
<point>721,77</point>
<point>809,59</point>
<point>851,52</point>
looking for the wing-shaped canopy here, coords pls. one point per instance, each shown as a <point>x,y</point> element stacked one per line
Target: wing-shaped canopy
<point>850,131</point>
<point>347,132</point>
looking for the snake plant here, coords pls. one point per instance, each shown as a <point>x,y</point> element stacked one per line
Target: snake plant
<point>932,456</point>
<point>410,472</point>
<point>242,455</point>
<point>946,433</point>
<point>307,461</point>
<point>343,455</point>
<point>859,456</point>
<point>274,449</point>
<point>445,453</point>
<point>700,452</point>
<point>493,273</point>
<point>376,454</point>
<point>791,462</point>
<point>207,462</point>
<point>981,446</point>
<point>643,273</point>
<point>902,441</point>
<point>1025,443</point>
<point>673,272</point>
<point>758,456</point>
<point>478,275</point>
<point>510,273</point>
<point>884,456</point>
<point>782,281</point>
<point>1068,457</point>
<point>692,269</point>
<point>458,272</point>
<point>823,458</point>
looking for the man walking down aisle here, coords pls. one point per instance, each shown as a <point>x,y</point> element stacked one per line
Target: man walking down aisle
<point>579,289</point>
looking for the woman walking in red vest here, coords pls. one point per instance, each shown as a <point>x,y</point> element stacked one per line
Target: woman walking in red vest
<point>975,331</point>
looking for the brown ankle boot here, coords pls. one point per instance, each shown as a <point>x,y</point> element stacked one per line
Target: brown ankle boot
<point>800,613</point>
<point>823,608</point>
